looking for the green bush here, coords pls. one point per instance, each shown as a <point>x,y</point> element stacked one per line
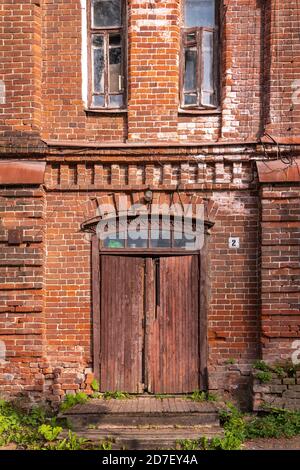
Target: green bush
<point>277,423</point>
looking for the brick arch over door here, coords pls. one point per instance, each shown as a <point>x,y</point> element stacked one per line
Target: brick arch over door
<point>116,203</point>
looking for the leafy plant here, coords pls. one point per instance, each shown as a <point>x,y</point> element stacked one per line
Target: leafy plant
<point>72,400</point>
<point>97,395</point>
<point>229,442</point>
<point>201,396</point>
<point>189,444</point>
<point>278,423</point>
<point>71,442</point>
<point>95,385</point>
<point>49,433</point>
<point>261,365</point>
<point>116,396</point>
<point>264,377</point>
<point>279,371</point>
<point>17,426</point>
<point>105,445</point>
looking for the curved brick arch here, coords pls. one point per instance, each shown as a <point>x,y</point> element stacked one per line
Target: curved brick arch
<point>117,204</point>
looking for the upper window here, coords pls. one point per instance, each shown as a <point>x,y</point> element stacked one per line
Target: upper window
<point>199,76</point>
<point>107,54</point>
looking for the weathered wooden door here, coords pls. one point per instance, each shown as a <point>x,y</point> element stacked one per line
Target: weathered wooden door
<point>122,317</point>
<point>173,344</point>
<point>149,337</point>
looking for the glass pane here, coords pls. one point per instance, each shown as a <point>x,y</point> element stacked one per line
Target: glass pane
<point>181,241</point>
<point>190,69</point>
<point>98,64</point>
<point>115,73</point>
<point>190,99</point>
<point>138,243</point>
<point>191,37</point>
<point>114,241</point>
<point>98,100</point>
<point>208,73</point>
<point>116,101</point>
<point>114,39</point>
<point>160,239</point>
<point>199,13</point>
<point>106,13</point>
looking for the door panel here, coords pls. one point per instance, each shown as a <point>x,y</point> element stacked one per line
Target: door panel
<point>122,314</point>
<point>173,352</point>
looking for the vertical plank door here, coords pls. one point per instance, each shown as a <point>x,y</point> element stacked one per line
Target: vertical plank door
<point>173,355</point>
<point>122,314</point>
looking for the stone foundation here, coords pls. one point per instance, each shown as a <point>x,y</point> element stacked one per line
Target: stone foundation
<point>281,391</point>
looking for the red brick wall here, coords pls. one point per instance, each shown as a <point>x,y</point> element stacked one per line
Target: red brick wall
<point>280,296</point>
<point>42,72</point>
<point>20,68</point>
<point>45,314</point>
<point>21,284</point>
<point>282,62</point>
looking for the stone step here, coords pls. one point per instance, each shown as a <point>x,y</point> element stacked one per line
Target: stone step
<point>149,438</point>
<point>142,412</point>
<point>77,421</point>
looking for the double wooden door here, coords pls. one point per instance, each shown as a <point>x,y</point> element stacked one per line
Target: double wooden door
<point>149,324</point>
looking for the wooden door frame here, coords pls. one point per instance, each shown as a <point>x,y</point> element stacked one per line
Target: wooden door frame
<point>204,293</point>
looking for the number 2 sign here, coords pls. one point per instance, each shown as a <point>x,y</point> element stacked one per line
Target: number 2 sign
<point>234,242</point>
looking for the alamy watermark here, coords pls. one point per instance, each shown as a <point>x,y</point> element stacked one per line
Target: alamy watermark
<point>178,225</point>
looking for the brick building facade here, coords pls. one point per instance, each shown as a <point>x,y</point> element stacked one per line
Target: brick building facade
<point>62,155</point>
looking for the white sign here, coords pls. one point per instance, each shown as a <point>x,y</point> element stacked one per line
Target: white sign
<point>234,242</point>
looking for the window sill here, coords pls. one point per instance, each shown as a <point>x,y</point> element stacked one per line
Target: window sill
<point>199,111</point>
<point>105,111</point>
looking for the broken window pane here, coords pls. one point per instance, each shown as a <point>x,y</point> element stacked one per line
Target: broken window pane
<point>199,13</point>
<point>190,69</point>
<point>191,37</point>
<point>115,61</point>
<point>98,64</point>
<point>208,69</point>
<point>106,13</point>
<point>115,39</point>
<point>115,74</point>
